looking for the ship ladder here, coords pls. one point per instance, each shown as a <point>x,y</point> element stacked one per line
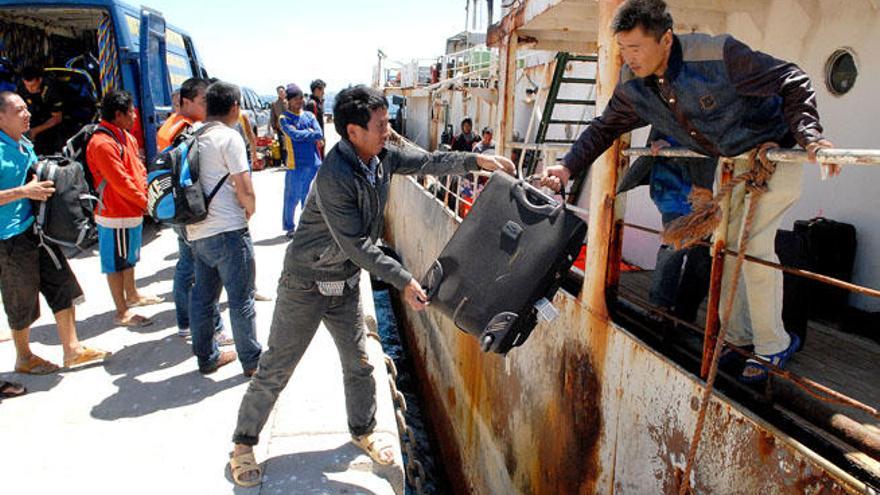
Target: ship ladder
<point>563,61</point>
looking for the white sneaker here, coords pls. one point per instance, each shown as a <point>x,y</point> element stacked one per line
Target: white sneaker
<point>184,332</point>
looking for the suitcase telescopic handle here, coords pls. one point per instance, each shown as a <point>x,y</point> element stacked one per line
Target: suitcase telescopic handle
<point>521,191</point>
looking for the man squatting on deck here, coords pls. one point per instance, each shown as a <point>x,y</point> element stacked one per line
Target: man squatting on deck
<point>335,239</point>
<point>716,96</point>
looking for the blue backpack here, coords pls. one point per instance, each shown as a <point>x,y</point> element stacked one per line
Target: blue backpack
<point>174,191</point>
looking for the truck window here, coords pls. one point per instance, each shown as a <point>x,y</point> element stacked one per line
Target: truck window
<point>176,55</point>
<point>179,66</point>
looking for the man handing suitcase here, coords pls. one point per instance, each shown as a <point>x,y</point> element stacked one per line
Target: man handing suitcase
<point>334,240</point>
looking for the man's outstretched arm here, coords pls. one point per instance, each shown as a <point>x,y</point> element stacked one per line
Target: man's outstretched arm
<point>619,117</point>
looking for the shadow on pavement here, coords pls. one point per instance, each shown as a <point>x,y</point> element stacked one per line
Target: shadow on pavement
<point>99,324</point>
<point>34,383</point>
<point>138,398</point>
<point>306,472</point>
<point>85,329</point>
<point>281,239</point>
<point>162,275</point>
<point>147,357</point>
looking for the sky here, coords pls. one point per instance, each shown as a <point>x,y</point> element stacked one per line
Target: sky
<point>265,43</point>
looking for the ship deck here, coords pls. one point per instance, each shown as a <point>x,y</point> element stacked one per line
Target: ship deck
<point>842,361</point>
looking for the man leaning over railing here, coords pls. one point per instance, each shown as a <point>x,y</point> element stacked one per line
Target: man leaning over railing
<point>718,97</point>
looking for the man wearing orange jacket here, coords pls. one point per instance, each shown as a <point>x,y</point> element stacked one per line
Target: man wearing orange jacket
<point>192,109</point>
<point>121,180</point>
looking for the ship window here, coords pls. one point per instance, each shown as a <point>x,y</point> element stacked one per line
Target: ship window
<point>841,72</point>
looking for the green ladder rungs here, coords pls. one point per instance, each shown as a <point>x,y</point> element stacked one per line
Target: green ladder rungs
<point>577,80</point>
<point>565,101</point>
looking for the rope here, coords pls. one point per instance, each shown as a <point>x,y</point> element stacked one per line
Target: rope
<point>107,57</point>
<point>755,180</point>
<point>687,231</point>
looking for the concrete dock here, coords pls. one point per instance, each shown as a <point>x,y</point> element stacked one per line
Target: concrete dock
<point>147,422</point>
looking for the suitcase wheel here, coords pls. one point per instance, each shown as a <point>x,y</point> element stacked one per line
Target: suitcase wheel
<point>486,342</point>
<point>495,337</point>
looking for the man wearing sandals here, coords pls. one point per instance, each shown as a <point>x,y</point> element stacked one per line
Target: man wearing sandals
<point>336,238</point>
<point>121,180</point>
<point>718,97</point>
<point>26,270</point>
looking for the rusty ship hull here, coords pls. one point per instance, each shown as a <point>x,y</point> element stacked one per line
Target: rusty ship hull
<point>588,404</point>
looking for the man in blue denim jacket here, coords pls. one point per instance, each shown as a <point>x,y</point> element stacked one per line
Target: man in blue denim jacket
<point>718,97</point>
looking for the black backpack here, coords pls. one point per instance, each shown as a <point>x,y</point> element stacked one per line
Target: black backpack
<point>75,151</point>
<point>174,191</point>
<point>66,218</point>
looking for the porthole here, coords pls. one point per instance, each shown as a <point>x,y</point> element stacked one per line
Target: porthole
<point>841,72</point>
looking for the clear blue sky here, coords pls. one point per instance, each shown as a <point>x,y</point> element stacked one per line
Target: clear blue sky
<point>264,43</point>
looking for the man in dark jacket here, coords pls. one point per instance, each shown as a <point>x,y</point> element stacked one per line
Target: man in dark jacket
<point>467,139</point>
<point>316,106</point>
<point>46,107</point>
<point>336,238</point>
<point>277,109</point>
<point>716,96</point>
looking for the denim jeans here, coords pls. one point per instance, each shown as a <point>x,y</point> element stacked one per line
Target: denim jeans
<point>184,279</point>
<point>681,280</point>
<point>224,261</point>
<point>299,311</point>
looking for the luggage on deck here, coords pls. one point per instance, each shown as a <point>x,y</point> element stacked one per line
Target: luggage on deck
<point>792,250</point>
<point>510,253</point>
<point>832,252</point>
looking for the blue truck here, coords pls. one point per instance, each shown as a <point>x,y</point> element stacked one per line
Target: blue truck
<point>110,44</point>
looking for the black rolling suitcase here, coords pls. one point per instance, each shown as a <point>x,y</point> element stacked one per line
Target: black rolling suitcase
<point>791,248</point>
<point>832,252</point>
<point>510,252</point>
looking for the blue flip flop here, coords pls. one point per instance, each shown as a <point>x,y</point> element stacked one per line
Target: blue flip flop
<point>780,359</point>
<point>730,356</point>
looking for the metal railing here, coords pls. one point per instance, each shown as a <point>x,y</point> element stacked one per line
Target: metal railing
<point>848,157</point>
<point>451,191</point>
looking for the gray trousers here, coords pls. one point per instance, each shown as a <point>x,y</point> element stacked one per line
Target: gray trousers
<point>299,310</point>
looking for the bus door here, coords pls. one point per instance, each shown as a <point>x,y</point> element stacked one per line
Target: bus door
<point>155,83</point>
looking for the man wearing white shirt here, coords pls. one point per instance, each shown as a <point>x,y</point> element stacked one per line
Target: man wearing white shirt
<point>221,243</point>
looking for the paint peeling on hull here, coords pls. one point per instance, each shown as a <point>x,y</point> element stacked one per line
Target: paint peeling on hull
<point>583,407</point>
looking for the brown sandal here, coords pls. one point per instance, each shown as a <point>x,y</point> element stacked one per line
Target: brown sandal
<point>374,444</point>
<point>242,464</point>
<point>86,355</point>
<point>36,366</point>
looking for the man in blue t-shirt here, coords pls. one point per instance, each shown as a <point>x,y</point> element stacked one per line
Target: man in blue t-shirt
<point>302,138</point>
<point>27,268</point>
